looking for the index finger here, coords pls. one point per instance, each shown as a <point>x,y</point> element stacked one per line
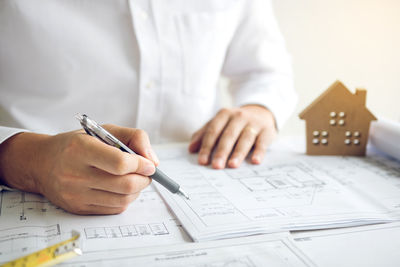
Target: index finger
<point>114,161</point>
<point>135,139</point>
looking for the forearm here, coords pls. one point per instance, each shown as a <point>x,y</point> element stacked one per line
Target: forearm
<point>20,161</point>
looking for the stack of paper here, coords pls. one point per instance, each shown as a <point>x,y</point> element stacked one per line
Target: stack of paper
<point>287,192</point>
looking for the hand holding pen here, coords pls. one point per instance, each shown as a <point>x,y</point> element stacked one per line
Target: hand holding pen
<point>92,128</point>
<point>80,173</point>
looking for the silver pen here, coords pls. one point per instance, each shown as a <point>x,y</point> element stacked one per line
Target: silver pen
<point>92,128</point>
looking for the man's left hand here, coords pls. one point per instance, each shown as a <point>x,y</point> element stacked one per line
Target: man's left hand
<point>229,137</point>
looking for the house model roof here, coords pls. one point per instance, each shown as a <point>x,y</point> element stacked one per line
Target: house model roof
<point>338,95</point>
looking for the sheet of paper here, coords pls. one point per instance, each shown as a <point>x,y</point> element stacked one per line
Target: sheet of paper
<point>289,191</point>
<point>375,177</point>
<point>28,223</point>
<point>264,250</point>
<point>368,246</point>
<point>385,136</point>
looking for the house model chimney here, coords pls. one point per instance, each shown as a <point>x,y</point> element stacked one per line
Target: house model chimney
<point>361,96</point>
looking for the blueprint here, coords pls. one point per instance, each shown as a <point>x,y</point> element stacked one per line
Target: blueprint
<point>265,250</point>
<point>29,222</point>
<point>289,191</point>
<point>368,246</point>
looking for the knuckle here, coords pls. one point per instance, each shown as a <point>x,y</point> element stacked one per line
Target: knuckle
<point>139,133</point>
<point>121,165</point>
<point>224,111</point>
<point>239,113</point>
<point>211,131</point>
<point>130,187</point>
<point>229,133</point>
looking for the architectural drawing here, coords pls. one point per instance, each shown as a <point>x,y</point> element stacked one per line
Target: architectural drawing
<point>265,250</point>
<point>26,238</point>
<point>126,231</point>
<point>290,181</point>
<point>295,192</point>
<point>30,222</point>
<point>353,244</point>
<point>22,204</point>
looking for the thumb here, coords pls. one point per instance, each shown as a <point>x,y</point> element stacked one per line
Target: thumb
<point>135,139</point>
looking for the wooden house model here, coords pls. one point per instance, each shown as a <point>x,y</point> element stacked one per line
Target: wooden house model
<point>337,122</point>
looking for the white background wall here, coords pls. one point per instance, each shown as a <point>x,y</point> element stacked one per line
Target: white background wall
<point>355,41</point>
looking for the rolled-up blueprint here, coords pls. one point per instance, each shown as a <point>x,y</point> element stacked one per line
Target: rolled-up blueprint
<point>385,136</point>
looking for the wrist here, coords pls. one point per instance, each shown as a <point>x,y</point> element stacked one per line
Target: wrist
<point>263,111</point>
<point>21,161</point>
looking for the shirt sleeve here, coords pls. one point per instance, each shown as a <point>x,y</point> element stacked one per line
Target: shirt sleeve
<point>258,65</point>
<point>7,132</point>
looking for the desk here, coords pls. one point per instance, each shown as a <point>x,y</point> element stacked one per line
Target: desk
<point>29,222</point>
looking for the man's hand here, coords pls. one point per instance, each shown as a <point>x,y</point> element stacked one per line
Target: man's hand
<point>228,138</point>
<point>77,171</point>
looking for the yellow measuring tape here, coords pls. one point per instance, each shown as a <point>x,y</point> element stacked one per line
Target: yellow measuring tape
<point>50,255</point>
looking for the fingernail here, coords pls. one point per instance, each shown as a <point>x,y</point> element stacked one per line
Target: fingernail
<point>218,163</point>
<point>148,170</point>
<point>203,159</point>
<point>234,162</point>
<point>153,155</point>
<point>256,159</point>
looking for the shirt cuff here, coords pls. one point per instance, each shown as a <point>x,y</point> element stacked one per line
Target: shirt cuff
<point>3,187</point>
<point>7,132</point>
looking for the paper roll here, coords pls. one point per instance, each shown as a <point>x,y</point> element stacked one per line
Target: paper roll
<point>385,136</point>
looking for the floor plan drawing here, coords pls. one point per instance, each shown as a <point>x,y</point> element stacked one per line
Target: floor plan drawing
<point>22,239</point>
<point>29,222</point>
<point>126,231</point>
<point>276,250</point>
<point>353,244</point>
<point>284,193</point>
<point>22,204</point>
<point>295,181</point>
<point>378,176</point>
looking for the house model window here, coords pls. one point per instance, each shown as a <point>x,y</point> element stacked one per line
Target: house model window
<point>337,122</point>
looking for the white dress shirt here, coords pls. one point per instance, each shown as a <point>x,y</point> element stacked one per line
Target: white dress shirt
<point>149,64</point>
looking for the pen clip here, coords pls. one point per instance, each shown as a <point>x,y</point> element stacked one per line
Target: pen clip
<point>92,128</point>
<point>83,121</point>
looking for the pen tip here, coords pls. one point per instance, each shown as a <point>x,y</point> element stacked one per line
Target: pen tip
<point>182,193</point>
